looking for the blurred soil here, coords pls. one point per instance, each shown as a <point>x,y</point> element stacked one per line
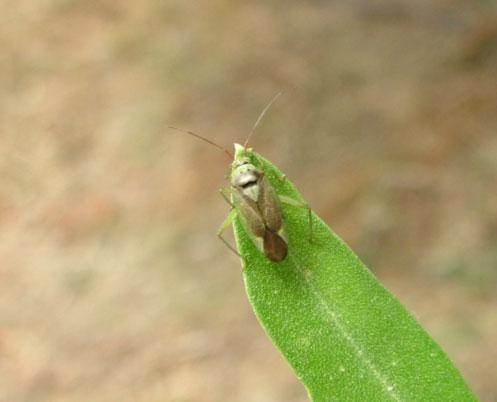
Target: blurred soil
<point>113,286</point>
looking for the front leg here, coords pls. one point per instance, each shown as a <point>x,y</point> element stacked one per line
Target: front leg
<point>226,193</point>
<point>227,222</point>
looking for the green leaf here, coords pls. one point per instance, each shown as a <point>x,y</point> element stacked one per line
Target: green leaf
<point>346,337</point>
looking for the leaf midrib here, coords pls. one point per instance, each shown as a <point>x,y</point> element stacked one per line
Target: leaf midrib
<point>334,317</point>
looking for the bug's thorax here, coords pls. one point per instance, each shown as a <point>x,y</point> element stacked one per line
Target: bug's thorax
<point>245,176</point>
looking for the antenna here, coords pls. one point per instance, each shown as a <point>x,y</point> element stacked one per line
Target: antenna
<point>261,116</point>
<point>204,139</point>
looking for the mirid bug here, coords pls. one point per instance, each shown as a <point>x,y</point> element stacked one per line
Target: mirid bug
<point>257,205</point>
<point>254,200</point>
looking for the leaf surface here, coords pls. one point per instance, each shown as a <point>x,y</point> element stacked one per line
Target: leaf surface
<point>346,337</point>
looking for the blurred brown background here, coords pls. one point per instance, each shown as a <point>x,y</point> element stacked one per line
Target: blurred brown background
<point>113,285</point>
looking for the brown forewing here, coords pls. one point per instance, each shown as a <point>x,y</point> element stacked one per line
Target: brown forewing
<point>269,205</point>
<point>249,210</point>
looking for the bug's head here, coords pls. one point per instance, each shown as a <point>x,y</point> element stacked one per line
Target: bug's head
<point>242,169</point>
<point>241,153</point>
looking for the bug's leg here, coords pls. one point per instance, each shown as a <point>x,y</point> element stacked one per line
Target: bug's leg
<point>227,176</point>
<point>227,222</point>
<point>225,193</point>
<point>296,203</point>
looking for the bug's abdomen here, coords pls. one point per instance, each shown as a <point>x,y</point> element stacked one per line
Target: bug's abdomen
<point>275,248</point>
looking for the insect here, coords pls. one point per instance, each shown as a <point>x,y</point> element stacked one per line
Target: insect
<point>254,200</point>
